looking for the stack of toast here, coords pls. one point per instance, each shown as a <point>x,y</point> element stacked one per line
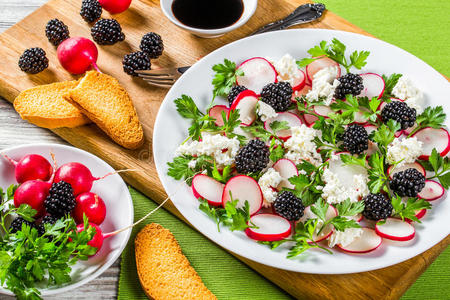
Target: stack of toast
<point>96,97</point>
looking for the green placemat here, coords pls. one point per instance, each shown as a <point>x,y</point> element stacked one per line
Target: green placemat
<point>422,28</point>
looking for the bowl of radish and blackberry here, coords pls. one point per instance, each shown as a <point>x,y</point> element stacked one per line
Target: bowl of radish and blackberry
<point>356,140</point>
<point>58,182</point>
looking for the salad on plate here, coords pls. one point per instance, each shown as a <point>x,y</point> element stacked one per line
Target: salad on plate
<point>309,153</point>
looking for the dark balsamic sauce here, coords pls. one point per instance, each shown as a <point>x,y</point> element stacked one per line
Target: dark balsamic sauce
<point>207,14</point>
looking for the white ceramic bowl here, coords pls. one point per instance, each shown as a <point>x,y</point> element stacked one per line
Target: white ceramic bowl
<point>384,58</point>
<point>112,189</point>
<point>249,10</point>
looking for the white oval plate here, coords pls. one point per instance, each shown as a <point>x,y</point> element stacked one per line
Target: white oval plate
<point>112,189</point>
<point>171,130</point>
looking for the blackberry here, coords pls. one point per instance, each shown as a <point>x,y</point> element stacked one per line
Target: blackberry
<point>60,200</point>
<point>16,224</point>
<point>278,95</point>
<point>407,183</point>
<point>348,84</point>
<point>234,92</point>
<point>107,32</point>
<point>288,206</point>
<point>356,139</point>
<point>91,10</point>
<point>376,207</point>
<point>46,220</point>
<point>400,112</point>
<point>56,32</point>
<point>253,157</point>
<point>136,61</point>
<point>33,61</point>
<point>152,44</point>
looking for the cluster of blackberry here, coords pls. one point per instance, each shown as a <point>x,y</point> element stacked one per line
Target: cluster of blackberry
<point>151,47</point>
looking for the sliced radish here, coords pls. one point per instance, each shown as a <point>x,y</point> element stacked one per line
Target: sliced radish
<point>372,146</point>
<point>367,242</point>
<point>240,131</point>
<point>301,92</point>
<point>421,213</point>
<point>327,231</point>
<point>243,188</point>
<point>345,173</point>
<point>298,82</point>
<point>246,103</point>
<point>287,169</point>
<point>357,217</point>
<point>216,113</point>
<point>373,85</point>
<point>433,138</point>
<point>207,188</point>
<point>395,229</point>
<point>270,228</point>
<point>408,130</point>
<point>320,64</point>
<point>292,119</point>
<point>258,72</point>
<point>391,170</point>
<point>310,119</point>
<point>322,110</point>
<point>433,190</point>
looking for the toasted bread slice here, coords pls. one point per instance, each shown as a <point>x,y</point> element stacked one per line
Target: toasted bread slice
<point>45,106</point>
<point>164,272</point>
<point>103,100</point>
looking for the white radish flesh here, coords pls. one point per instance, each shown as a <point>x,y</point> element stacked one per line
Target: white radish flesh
<point>433,138</point>
<point>322,110</point>
<point>292,119</point>
<point>287,169</point>
<point>270,228</point>
<point>367,242</point>
<point>373,85</point>
<point>432,191</point>
<point>395,229</point>
<point>246,103</point>
<point>391,170</point>
<point>216,113</point>
<point>320,64</point>
<point>207,188</point>
<point>298,82</point>
<point>243,188</point>
<point>258,72</point>
<point>345,173</point>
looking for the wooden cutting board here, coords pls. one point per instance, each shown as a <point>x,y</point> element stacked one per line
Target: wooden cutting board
<point>181,48</point>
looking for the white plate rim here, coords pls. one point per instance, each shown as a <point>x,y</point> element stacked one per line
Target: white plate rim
<point>165,180</point>
<point>104,267</point>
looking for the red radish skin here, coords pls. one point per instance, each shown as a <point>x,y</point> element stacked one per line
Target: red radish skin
<point>258,72</point>
<point>367,242</point>
<point>373,85</point>
<point>301,92</point>
<point>77,55</point>
<point>216,113</point>
<point>320,64</point>
<point>207,188</point>
<point>243,188</point>
<point>33,193</point>
<point>421,213</point>
<point>270,228</point>
<point>391,171</point>
<point>298,83</point>
<point>433,138</point>
<point>115,6</point>
<point>97,240</point>
<point>395,229</point>
<point>246,103</point>
<point>432,191</point>
<point>31,167</point>
<point>91,205</point>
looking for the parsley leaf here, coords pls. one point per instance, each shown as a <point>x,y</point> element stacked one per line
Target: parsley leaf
<point>348,209</point>
<point>408,210</point>
<point>179,168</point>
<point>431,117</point>
<point>440,166</point>
<point>225,77</point>
<point>303,238</point>
<point>276,151</point>
<point>377,176</point>
<point>390,82</point>
<point>279,125</point>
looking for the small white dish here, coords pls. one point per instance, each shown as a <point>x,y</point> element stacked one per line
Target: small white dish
<point>384,59</point>
<point>113,191</point>
<point>249,10</point>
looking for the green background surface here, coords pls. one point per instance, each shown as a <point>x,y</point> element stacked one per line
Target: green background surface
<point>421,28</point>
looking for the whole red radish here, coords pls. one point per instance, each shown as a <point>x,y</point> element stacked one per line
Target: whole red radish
<point>33,193</point>
<point>97,240</point>
<point>91,205</point>
<point>31,167</point>
<point>78,175</point>
<point>115,6</point>
<point>77,55</point>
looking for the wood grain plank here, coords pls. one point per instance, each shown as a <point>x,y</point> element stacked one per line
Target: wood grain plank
<point>143,16</point>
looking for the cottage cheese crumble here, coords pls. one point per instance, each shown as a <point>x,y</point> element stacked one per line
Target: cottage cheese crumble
<point>345,237</point>
<point>212,145</point>
<point>336,191</point>
<point>300,145</point>
<point>265,111</point>
<point>324,84</point>
<point>286,68</point>
<point>405,150</point>
<point>405,90</point>
<point>269,179</point>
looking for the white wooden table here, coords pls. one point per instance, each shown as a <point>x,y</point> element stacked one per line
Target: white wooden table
<point>15,131</point>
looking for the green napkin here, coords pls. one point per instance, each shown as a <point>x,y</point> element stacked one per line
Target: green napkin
<point>422,28</point>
